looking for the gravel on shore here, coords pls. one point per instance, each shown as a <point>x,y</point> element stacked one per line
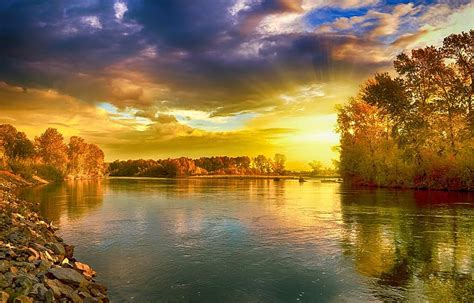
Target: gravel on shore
<point>35,264</point>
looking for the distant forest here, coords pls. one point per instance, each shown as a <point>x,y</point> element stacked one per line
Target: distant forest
<point>415,129</point>
<point>181,167</point>
<point>48,157</point>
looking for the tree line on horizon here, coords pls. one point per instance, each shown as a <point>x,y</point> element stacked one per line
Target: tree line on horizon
<point>48,156</point>
<point>183,166</point>
<point>415,129</point>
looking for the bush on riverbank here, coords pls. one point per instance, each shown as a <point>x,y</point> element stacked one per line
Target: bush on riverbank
<point>415,130</point>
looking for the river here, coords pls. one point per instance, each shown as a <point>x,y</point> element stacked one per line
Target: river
<point>231,240</point>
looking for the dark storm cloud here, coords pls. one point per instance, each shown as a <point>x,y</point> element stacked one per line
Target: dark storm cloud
<point>69,45</point>
<point>48,43</point>
<point>190,25</point>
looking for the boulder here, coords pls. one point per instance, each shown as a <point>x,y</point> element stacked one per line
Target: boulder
<point>85,269</point>
<point>4,266</point>
<point>44,265</point>
<point>4,283</point>
<point>39,289</point>
<point>57,248</point>
<point>57,287</point>
<point>60,289</point>
<point>68,275</point>
<point>25,283</point>
<point>69,251</point>
<point>48,296</point>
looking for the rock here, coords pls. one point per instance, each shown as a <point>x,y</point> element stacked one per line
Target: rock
<point>44,265</point>
<point>35,264</point>
<point>34,255</point>
<point>59,289</point>
<point>9,277</point>
<point>48,256</point>
<point>69,276</point>
<point>4,297</point>
<point>96,289</point>
<point>86,269</point>
<point>39,289</point>
<point>49,296</point>
<point>4,266</point>
<point>23,299</point>
<point>69,251</point>
<point>3,281</point>
<point>25,266</point>
<point>25,283</point>
<point>57,248</point>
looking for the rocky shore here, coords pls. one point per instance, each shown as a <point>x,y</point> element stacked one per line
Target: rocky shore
<point>35,264</point>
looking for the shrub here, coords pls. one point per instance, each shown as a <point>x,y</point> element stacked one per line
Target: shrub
<point>22,169</point>
<point>48,172</point>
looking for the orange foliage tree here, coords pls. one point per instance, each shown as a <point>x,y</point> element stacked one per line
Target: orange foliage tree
<point>414,130</point>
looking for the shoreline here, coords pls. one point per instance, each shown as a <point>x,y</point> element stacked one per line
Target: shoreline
<point>249,177</point>
<point>35,263</point>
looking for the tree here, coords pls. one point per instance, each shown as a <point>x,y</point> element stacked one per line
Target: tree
<point>279,164</point>
<point>459,47</point>
<point>52,150</point>
<point>94,160</point>
<point>16,144</point>
<point>316,167</point>
<point>414,129</point>
<point>77,155</point>
<point>22,147</point>
<point>262,164</point>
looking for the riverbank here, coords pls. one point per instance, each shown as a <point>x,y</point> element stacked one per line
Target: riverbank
<point>247,177</point>
<point>35,263</point>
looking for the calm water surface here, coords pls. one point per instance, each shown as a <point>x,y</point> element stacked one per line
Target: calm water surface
<point>210,240</point>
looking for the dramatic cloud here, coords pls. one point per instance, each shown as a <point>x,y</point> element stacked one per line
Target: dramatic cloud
<point>198,77</point>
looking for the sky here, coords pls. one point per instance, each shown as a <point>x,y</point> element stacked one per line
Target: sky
<point>158,79</point>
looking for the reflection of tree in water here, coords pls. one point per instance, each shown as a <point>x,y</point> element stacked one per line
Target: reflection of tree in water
<point>73,198</point>
<point>413,245</point>
<point>213,189</point>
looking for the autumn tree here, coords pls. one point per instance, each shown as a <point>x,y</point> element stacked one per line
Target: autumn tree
<point>279,164</point>
<point>94,161</point>
<point>316,167</point>
<point>460,49</point>
<point>414,129</point>
<point>77,155</point>
<point>262,164</point>
<point>16,144</point>
<point>52,150</point>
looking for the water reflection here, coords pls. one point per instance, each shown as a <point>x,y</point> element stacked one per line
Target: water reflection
<point>259,240</point>
<point>414,245</point>
<point>65,201</point>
